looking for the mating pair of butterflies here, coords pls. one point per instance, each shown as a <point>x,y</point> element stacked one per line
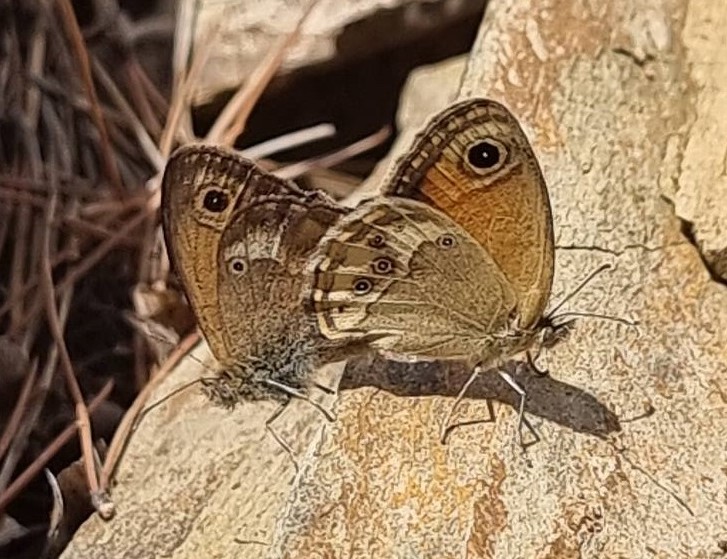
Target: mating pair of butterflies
<point>453,261</point>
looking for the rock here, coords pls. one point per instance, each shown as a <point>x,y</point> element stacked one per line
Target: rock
<point>336,31</point>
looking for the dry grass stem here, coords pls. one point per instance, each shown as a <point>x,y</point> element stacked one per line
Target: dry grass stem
<point>50,451</point>
<point>338,156</point>
<point>81,55</point>
<point>56,329</point>
<point>146,143</point>
<point>231,121</point>
<point>289,141</point>
<point>19,410</point>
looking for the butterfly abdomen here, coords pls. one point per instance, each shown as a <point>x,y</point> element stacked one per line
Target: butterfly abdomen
<point>287,360</point>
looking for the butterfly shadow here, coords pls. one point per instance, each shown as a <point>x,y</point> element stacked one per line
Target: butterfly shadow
<point>547,397</point>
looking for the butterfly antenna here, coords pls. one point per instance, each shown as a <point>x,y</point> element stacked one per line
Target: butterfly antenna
<point>551,316</point>
<point>577,314</point>
<point>171,394</point>
<point>578,289</point>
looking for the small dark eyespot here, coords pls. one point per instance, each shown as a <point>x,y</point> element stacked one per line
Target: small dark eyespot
<point>383,265</point>
<point>238,266</point>
<point>215,201</point>
<point>362,286</point>
<point>446,241</point>
<point>483,155</point>
<point>377,241</point>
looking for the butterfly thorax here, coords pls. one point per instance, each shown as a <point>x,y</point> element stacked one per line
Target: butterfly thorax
<point>505,344</point>
<point>515,340</point>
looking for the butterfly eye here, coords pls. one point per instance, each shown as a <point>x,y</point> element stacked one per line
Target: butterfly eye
<point>446,241</point>
<point>362,286</point>
<point>485,155</point>
<point>377,241</point>
<point>383,265</point>
<point>238,266</point>
<point>215,201</point>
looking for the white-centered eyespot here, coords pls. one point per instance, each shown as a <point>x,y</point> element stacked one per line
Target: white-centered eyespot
<point>486,156</point>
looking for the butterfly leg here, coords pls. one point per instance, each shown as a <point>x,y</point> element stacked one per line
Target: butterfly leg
<point>533,365</point>
<point>298,394</point>
<point>446,426</point>
<point>278,438</point>
<point>522,420</point>
<point>326,389</point>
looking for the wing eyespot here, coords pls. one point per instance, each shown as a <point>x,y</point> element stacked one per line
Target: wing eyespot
<point>362,286</point>
<point>377,240</point>
<point>486,156</point>
<point>238,266</point>
<point>383,265</point>
<point>215,200</point>
<point>446,241</point>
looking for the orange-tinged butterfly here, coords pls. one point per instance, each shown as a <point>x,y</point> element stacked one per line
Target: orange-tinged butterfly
<point>454,261</point>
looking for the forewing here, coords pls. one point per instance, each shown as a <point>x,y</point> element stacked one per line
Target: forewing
<point>505,207</point>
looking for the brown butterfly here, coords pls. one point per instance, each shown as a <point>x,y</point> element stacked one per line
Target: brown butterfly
<point>455,260</point>
<point>240,240</point>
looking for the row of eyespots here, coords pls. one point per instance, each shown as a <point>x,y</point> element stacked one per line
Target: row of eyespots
<point>385,265</point>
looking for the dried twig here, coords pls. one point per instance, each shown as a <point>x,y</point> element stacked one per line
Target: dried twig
<point>331,159</point>
<point>68,185</point>
<point>19,410</point>
<point>56,329</point>
<point>138,95</point>
<point>231,121</point>
<point>50,451</point>
<point>93,229</point>
<point>142,136</point>
<point>21,439</point>
<point>93,258</point>
<point>178,116</point>
<point>35,67</point>
<point>289,141</point>
<point>17,273</point>
<point>154,96</point>
<point>81,56</point>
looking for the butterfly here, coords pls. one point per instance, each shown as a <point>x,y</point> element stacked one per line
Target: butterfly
<point>240,240</point>
<point>454,260</point>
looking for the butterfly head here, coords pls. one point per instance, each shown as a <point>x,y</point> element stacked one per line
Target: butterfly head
<point>551,332</point>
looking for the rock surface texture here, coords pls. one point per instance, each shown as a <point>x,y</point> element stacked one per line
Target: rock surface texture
<point>625,110</point>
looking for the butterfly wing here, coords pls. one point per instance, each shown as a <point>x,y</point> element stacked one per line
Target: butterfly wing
<point>261,260</point>
<point>474,163</point>
<point>403,273</point>
<point>203,192</point>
